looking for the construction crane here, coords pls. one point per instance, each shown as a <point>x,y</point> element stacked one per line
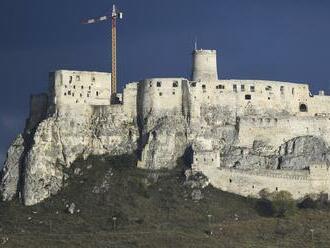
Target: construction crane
<point>113,17</point>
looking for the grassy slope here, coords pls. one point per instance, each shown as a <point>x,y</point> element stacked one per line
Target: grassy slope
<point>150,214</point>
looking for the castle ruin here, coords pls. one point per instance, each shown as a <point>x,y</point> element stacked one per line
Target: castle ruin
<point>244,135</point>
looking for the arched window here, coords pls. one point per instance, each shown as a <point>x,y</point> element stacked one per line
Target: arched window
<point>175,84</point>
<point>303,107</point>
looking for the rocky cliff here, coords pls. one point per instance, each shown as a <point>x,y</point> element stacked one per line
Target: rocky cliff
<point>38,159</point>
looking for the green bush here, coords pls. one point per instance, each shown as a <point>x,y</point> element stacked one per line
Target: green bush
<point>264,207</point>
<point>283,204</point>
<point>308,203</point>
<point>277,204</point>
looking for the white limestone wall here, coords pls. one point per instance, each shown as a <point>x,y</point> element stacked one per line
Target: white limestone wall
<point>204,65</point>
<point>250,183</point>
<point>253,96</point>
<point>207,158</point>
<point>77,88</point>
<point>319,105</point>
<point>158,95</point>
<point>276,131</point>
<point>130,99</point>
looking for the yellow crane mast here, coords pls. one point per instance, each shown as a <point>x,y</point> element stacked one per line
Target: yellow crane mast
<point>114,16</point>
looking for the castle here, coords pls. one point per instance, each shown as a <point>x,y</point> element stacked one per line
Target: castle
<point>244,135</point>
<point>271,112</point>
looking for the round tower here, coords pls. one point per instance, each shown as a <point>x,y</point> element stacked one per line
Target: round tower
<point>204,65</point>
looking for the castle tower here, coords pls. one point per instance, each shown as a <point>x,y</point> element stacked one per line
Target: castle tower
<point>204,65</point>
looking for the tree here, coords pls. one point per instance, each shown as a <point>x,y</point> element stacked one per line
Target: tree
<point>282,203</point>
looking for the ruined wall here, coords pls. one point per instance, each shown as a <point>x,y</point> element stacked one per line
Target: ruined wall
<point>276,130</point>
<point>130,99</point>
<point>158,95</point>
<point>250,183</point>
<point>77,88</point>
<point>319,105</point>
<point>253,96</point>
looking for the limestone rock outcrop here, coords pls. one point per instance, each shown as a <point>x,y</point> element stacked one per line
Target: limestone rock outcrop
<point>12,168</point>
<point>298,153</point>
<point>57,142</point>
<point>237,126</point>
<point>164,140</point>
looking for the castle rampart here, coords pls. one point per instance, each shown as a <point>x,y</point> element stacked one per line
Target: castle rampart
<point>242,111</point>
<point>251,182</point>
<point>285,128</point>
<point>156,95</point>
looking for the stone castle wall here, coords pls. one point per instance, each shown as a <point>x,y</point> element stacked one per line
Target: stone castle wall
<point>204,65</point>
<point>247,97</point>
<point>77,88</point>
<point>277,130</point>
<point>130,99</point>
<point>163,118</point>
<point>158,95</point>
<point>250,183</point>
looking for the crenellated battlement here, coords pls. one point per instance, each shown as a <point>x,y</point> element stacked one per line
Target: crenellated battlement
<point>284,174</point>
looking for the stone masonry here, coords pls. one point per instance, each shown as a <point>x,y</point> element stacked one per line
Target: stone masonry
<point>244,135</point>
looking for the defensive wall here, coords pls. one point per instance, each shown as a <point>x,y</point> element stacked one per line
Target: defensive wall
<point>263,108</point>
<point>130,99</point>
<point>277,130</point>
<point>76,88</point>
<point>251,182</point>
<point>258,97</point>
<point>158,95</point>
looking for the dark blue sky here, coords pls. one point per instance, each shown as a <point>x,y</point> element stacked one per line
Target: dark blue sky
<point>256,39</point>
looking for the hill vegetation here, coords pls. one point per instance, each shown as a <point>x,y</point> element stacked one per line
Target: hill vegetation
<point>108,202</point>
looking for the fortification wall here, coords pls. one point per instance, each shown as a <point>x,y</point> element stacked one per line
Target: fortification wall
<point>276,131</point>
<point>158,95</point>
<point>250,183</point>
<point>77,88</point>
<point>319,105</point>
<point>253,96</point>
<point>130,99</point>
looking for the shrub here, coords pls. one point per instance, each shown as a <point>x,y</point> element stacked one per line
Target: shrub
<point>308,203</point>
<point>283,204</point>
<point>264,207</point>
<point>277,204</point>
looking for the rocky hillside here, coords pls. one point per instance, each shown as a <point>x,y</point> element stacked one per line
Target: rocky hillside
<point>54,138</point>
<point>108,202</point>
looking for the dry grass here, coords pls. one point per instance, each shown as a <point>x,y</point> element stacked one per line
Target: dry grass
<point>152,214</point>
